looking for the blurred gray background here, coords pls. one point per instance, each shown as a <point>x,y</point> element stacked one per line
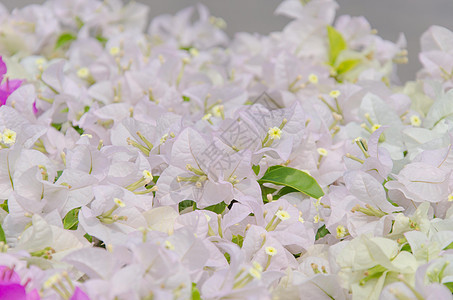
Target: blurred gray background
<point>389,17</point>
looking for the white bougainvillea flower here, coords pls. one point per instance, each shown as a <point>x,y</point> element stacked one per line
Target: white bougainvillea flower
<point>421,182</point>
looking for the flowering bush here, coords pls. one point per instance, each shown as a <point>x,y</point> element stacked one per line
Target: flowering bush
<point>171,162</point>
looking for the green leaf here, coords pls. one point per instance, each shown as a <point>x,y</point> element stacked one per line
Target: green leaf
<point>449,246</point>
<point>266,190</point>
<point>65,110</point>
<point>78,129</point>
<point>227,257</point>
<point>88,237</point>
<point>79,22</point>
<point>449,285</point>
<point>195,292</point>
<point>185,98</point>
<point>256,169</point>
<point>2,235</point>
<point>71,220</point>
<point>57,126</point>
<point>336,44</point>
<point>347,65</point>
<point>406,247</point>
<point>238,240</point>
<point>64,39</point>
<point>217,208</point>
<point>58,175</point>
<point>283,191</point>
<point>293,178</point>
<point>4,205</point>
<point>102,40</point>
<point>185,204</point>
<point>185,48</point>
<point>322,232</point>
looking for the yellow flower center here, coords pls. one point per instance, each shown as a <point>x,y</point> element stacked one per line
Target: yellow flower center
<point>312,78</point>
<point>415,121</point>
<point>83,73</point>
<point>335,93</point>
<point>271,251</point>
<point>275,133</point>
<point>8,136</point>
<point>282,215</point>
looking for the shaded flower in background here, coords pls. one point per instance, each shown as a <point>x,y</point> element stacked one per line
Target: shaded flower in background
<point>8,86</point>
<point>11,286</point>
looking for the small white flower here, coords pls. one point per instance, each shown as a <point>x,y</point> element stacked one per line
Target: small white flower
<point>119,202</point>
<point>312,78</point>
<point>375,127</point>
<point>275,133</point>
<point>8,136</point>
<point>415,121</point>
<point>169,245</point>
<point>148,175</point>
<point>114,51</point>
<point>335,93</point>
<point>83,73</point>
<point>217,111</point>
<point>322,151</point>
<point>271,251</point>
<point>341,232</point>
<point>282,215</point>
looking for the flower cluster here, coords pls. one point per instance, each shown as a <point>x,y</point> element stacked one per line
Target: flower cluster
<point>168,161</point>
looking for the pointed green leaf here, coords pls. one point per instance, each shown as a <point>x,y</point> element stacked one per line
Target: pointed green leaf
<point>4,205</point>
<point>322,232</point>
<point>336,44</point>
<point>185,204</point>
<point>195,292</point>
<point>65,39</point>
<point>256,169</point>
<point>2,235</point>
<point>217,208</point>
<point>102,39</point>
<point>283,191</point>
<point>57,126</point>
<point>347,65</point>
<point>449,285</point>
<point>88,237</point>
<point>293,178</point>
<point>238,240</point>
<point>71,220</point>
<point>227,257</point>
